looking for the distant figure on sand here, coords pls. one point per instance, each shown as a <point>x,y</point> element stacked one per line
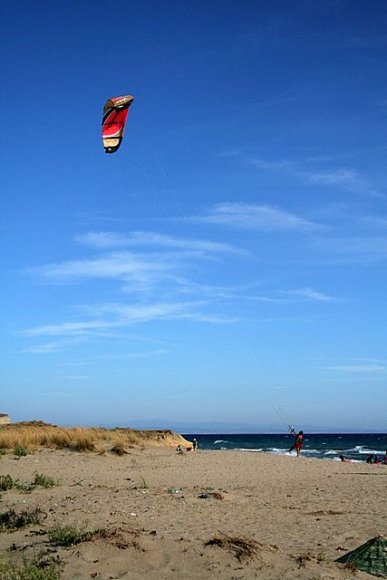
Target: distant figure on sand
<point>194,444</point>
<point>297,445</point>
<point>342,458</point>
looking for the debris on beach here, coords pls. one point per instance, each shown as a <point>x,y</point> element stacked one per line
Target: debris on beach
<point>119,450</point>
<point>370,557</point>
<point>209,494</point>
<point>118,537</point>
<point>174,490</point>
<point>242,548</point>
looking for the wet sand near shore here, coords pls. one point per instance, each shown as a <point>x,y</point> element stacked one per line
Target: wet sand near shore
<point>197,515</point>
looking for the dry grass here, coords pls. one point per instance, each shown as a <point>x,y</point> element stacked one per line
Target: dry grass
<point>122,538</point>
<point>241,548</point>
<point>36,434</point>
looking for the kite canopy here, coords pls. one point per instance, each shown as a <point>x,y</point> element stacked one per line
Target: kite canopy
<point>371,557</point>
<point>115,113</point>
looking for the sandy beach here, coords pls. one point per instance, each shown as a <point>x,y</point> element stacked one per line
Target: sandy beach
<point>197,515</point>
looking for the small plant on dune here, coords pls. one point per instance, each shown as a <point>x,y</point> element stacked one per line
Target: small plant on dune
<point>173,490</point>
<point>301,559</point>
<point>24,487</point>
<point>82,445</point>
<point>69,535</point>
<point>6,482</point>
<point>144,484</point>
<point>241,548</point>
<point>12,520</point>
<point>20,451</point>
<point>36,570</point>
<point>118,449</point>
<point>43,481</point>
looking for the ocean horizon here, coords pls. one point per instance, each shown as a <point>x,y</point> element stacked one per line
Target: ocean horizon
<point>327,446</point>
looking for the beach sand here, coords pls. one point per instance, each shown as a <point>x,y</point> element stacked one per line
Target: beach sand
<point>166,515</point>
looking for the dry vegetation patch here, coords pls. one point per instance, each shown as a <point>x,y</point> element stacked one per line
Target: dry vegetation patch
<point>242,548</point>
<point>122,538</point>
<point>29,436</point>
<point>12,520</point>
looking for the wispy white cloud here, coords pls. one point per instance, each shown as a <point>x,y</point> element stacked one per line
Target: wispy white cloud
<point>353,249</point>
<point>158,260</point>
<point>138,354</point>
<point>346,177</point>
<point>108,240</point>
<point>360,368</point>
<point>375,221</point>
<point>79,328</point>
<point>256,217</point>
<point>341,176</point>
<point>291,296</point>
<point>111,316</point>
<point>118,265</point>
<point>52,346</point>
<point>309,294</point>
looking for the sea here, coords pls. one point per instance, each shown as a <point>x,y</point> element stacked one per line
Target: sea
<point>353,446</point>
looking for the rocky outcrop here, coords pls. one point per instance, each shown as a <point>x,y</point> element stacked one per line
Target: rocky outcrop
<point>4,419</point>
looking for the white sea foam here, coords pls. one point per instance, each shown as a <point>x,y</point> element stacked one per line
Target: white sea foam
<point>333,452</point>
<point>361,449</point>
<point>244,449</point>
<point>220,441</point>
<point>278,451</point>
<point>347,460</point>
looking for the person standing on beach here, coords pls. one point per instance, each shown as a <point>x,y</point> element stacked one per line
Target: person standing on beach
<point>194,444</point>
<point>297,445</point>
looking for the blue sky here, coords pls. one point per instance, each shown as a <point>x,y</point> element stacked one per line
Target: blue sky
<point>228,263</point>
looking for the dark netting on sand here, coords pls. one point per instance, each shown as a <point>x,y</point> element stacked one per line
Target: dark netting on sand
<point>371,557</point>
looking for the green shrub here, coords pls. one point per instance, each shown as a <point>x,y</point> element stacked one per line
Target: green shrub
<point>68,535</point>
<point>11,520</point>
<point>144,484</point>
<point>31,571</point>
<point>20,451</point>
<point>24,487</point>
<point>39,481</point>
<point>43,481</point>
<point>6,482</point>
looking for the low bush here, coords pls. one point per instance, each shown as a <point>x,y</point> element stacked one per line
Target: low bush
<point>12,520</point>
<point>6,482</point>
<point>43,481</point>
<point>37,570</point>
<point>69,535</point>
<point>20,451</point>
